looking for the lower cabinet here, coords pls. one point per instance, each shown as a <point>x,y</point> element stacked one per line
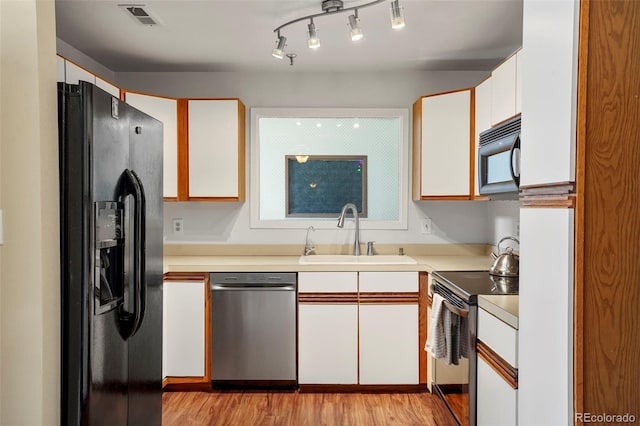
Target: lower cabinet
<point>358,328</point>
<point>497,374</point>
<point>328,343</point>
<point>184,329</point>
<point>388,344</point>
<point>497,400</point>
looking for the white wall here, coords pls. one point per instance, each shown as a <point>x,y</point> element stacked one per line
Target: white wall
<point>29,262</point>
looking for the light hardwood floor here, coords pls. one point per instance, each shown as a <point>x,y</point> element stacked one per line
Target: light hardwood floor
<point>300,409</point>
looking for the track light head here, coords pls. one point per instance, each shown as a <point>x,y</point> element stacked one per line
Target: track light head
<point>281,44</point>
<point>356,31</point>
<point>397,15</point>
<point>314,39</point>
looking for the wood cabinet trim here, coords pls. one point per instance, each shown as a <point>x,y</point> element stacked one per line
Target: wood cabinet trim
<point>183,150</point>
<point>472,143</point>
<point>389,298</point>
<point>498,364</point>
<point>444,197</point>
<point>328,298</point>
<point>416,186</point>
<point>328,388</point>
<point>551,195</point>
<point>185,276</point>
<point>423,303</point>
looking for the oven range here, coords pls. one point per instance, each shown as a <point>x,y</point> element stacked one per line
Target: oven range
<point>454,378</point>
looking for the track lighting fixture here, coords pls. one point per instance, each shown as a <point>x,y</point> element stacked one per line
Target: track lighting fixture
<point>330,7</point>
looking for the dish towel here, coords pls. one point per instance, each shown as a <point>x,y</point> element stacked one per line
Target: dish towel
<point>436,341</point>
<point>447,338</point>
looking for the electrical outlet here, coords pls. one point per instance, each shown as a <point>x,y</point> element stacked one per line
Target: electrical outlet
<point>178,226</point>
<point>426,225</point>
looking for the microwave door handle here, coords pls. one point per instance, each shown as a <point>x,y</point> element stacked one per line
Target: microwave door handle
<point>515,155</point>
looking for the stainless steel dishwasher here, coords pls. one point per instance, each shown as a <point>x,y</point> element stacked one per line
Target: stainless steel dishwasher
<point>253,330</point>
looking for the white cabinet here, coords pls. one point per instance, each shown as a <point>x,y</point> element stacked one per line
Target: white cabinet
<point>165,110</point>
<point>328,343</point>
<point>388,344</point>
<point>546,315</point>
<point>549,91</point>
<point>483,121</point>
<point>183,329</point>
<point>388,329</point>
<point>327,328</point>
<point>366,337</point>
<point>442,146</point>
<point>497,394</point>
<point>216,149</point>
<point>503,91</point>
<point>497,400</point>
<point>71,73</point>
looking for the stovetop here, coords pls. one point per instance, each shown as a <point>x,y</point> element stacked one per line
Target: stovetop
<point>470,284</point>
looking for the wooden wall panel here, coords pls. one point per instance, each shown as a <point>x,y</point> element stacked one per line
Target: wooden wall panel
<point>611,275</point>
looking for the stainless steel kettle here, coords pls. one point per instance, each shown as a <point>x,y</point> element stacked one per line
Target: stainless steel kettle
<point>507,263</point>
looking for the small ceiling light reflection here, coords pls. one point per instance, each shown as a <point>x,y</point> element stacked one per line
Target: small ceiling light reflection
<point>302,158</point>
<point>298,123</point>
<point>356,125</point>
<point>318,124</point>
<point>339,125</point>
<point>313,184</point>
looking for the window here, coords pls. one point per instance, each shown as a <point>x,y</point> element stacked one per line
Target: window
<point>378,135</point>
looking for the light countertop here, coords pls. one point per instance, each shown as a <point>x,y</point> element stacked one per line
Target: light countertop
<point>442,258</point>
<point>503,307</point>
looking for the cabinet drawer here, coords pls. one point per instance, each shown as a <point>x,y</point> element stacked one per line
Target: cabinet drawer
<point>388,281</point>
<point>499,336</point>
<point>327,282</point>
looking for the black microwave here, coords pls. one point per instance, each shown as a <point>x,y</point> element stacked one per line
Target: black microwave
<point>499,160</point>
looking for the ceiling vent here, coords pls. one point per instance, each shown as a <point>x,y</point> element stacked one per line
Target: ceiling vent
<point>140,13</point>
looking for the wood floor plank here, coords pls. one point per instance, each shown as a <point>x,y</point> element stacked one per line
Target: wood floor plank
<point>303,409</point>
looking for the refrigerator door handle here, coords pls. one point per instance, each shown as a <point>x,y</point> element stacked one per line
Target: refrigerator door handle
<point>129,184</point>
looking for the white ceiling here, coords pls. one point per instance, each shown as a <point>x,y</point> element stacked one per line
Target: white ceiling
<point>237,35</point>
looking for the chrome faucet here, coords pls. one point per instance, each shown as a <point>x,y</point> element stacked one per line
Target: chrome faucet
<point>308,248</point>
<point>354,210</point>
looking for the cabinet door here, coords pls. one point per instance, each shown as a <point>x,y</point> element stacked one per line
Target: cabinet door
<point>183,329</point>
<point>108,87</point>
<point>445,146</point>
<point>328,343</point>
<point>60,71</point>
<point>388,344</point>
<point>483,122</point>
<point>503,91</point>
<point>549,92</point>
<point>165,110</point>
<point>497,400</point>
<point>216,149</point>
<point>545,332</point>
<point>73,74</point>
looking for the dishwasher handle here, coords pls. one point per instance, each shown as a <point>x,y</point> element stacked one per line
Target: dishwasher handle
<point>253,287</point>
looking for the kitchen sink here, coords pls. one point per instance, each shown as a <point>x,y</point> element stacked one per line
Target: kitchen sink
<point>346,259</point>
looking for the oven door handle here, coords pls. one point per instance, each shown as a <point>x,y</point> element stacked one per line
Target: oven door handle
<point>456,310</point>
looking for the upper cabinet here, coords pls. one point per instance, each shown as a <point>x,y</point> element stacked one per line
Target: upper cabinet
<point>165,110</point>
<point>203,146</point>
<point>483,120</point>
<point>506,90</point>
<point>443,146</point>
<point>549,93</point>
<point>216,146</point>
<point>71,73</point>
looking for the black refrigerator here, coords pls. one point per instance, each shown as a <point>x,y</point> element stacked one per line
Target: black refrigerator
<point>111,259</point>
